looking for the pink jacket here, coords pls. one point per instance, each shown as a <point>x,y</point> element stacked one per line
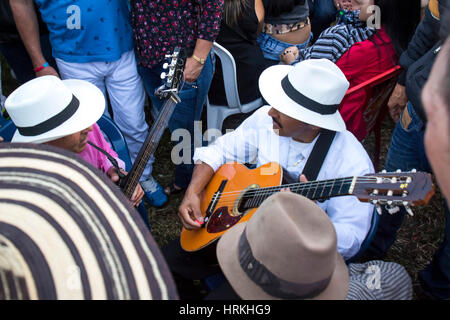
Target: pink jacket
<point>95,157</point>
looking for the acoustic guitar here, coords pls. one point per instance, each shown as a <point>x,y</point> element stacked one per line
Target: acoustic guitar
<point>235,192</point>
<point>169,92</point>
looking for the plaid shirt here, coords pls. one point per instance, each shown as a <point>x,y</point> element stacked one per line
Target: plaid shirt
<point>161,25</point>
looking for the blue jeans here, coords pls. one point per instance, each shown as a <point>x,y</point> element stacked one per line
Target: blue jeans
<point>321,13</point>
<point>272,48</point>
<point>407,152</point>
<point>435,278</point>
<point>193,97</point>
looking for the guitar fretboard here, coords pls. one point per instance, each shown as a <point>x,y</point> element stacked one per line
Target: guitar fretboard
<point>149,147</point>
<point>315,190</point>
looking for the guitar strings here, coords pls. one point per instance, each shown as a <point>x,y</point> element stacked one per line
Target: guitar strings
<point>303,185</point>
<point>140,167</point>
<point>227,198</point>
<point>230,197</point>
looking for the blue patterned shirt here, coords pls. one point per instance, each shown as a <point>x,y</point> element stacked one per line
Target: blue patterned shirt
<point>87,31</point>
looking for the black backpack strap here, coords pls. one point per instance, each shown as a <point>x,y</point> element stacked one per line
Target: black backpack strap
<point>318,154</point>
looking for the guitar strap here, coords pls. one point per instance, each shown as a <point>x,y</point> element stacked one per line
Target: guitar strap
<point>111,159</point>
<point>318,154</point>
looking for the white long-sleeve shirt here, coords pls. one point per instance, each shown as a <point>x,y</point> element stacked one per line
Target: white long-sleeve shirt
<point>254,141</point>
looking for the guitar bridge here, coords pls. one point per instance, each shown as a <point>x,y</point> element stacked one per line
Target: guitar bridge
<point>213,203</point>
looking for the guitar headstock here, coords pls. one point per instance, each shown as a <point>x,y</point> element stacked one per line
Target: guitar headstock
<point>395,189</point>
<point>173,75</point>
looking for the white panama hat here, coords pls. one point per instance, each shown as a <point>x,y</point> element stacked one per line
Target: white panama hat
<point>310,91</point>
<point>48,108</point>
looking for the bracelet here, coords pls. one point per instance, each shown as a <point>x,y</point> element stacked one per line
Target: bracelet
<point>199,60</point>
<point>45,65</point>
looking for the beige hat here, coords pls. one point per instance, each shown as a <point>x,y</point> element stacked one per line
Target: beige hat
<point>311,92</point>
<point>67,232</point>
<point>47,108</point>
<point>287,250</point>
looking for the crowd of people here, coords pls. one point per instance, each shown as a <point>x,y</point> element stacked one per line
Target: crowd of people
<point>78,60</point>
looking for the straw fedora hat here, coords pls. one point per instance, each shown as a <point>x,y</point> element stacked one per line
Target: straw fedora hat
<point>47,108</point>
<point>287,250</point>
<point>67,232</point>
<point>311,92</point>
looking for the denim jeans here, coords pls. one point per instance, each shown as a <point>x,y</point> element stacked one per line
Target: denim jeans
<point>435,278</point>
<point>321,13</point>
<point>193,97</point>
<point>407,152</point>
<point>272,48</point>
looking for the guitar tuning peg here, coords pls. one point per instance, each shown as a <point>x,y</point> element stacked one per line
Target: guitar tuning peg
<point>165,65</point>
<point>163,75</point>
<point>414,170</point>
<point>408,180</point>
<point>410,212</point>
<point>394,180</point>
<point>383,171</point>
<point>398,171</point>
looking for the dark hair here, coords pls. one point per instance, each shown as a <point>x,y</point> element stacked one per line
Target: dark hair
<point>400,19</point>
<point>232,10</point>
<point>275,8</point>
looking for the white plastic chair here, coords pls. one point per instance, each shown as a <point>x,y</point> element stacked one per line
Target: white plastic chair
<point>217,114</point>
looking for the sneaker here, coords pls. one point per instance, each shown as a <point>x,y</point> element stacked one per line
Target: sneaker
<point>154,193</point>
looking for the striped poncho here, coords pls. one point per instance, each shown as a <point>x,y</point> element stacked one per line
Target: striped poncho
<point>333,42</point>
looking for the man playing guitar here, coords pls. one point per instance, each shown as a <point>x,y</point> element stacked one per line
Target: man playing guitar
<point>303,102</point>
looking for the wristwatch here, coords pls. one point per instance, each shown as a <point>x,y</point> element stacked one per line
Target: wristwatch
<point>199,60</point>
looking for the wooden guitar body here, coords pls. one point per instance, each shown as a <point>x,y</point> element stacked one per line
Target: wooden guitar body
<point>233,180</point>
<point>235,192</point>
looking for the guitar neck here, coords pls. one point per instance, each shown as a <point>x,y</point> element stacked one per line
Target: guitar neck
<point>149,147</point>
<point>314,190</point>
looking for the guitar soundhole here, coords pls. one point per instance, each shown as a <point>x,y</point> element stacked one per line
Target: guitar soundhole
<point>221,220</point>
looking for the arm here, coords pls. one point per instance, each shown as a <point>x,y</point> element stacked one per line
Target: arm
<point>193,68</point>
<point>425,37</point>
<point>138,193</point>
<point>351,220</point>
<point>234,146</point>
<point>240,145</point>
<point>27,25</point>
<point>208,29</point>
<point>423,40</point>
<point>189,210</point>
